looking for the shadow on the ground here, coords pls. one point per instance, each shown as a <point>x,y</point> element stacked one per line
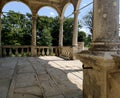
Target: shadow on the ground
<point>44,77</point>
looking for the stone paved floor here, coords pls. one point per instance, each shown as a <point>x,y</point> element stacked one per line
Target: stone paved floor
<point>42,77</point>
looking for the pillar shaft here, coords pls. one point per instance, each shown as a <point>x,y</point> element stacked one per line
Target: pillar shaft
<point>75,29</point>
<point>61,32</point>
<point>34,31</point>
<point>33,50</point>
<point>106,22</point>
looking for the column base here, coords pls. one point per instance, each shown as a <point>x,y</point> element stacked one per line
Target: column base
<point>33,51</point>
<point>101,74</point>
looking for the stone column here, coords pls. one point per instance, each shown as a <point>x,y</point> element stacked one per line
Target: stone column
<point>75,29</point>
<point>33,50</point>
<point>101,63</point>
<point>106,22</point>
<point>61,33</point>
<point>0,35</point>
<point>75,34</point>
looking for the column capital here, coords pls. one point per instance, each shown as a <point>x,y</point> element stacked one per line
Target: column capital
<point>61,18</point>
<point>76,12</point>
<point>34,17</point>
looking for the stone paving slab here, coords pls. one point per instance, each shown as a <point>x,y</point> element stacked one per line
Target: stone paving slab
<point>41,77</point>
<point>25,96</point>
<point>4,87</point>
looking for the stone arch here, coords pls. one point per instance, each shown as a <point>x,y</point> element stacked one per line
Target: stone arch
<point>53,7</point>
<point>78,5</point>
<point>64,9</point>
<point>50,7</point>
<point>16,1</point>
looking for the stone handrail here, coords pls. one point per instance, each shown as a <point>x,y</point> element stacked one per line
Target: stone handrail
<point>26,50</point>
<point>66,52</point>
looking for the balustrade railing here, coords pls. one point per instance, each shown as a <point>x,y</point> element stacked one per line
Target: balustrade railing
<point>66,52</point>
<point>44,50</point>
<point>16,50</point>
<point>26,51</point>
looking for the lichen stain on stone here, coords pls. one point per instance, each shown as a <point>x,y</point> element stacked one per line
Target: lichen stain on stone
<point>117,61</point>
<point>104,15</point>
<point>114,3</point>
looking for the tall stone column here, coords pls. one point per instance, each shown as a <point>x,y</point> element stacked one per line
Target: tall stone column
<point>0,35</point>
<point>101,63</point>
<point>106,22</point>
<point>75,34</point>
<point>75,29</point>
<point>33,50</point>
<point>61,32</point>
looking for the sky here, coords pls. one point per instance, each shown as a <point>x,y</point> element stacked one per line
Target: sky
<point>48,11</point>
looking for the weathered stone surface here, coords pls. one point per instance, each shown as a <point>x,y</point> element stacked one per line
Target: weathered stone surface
<point>33,90</point>
<point>25,96</point>
<point>29,82</point>
<point>50,90</point>
<point>6,73</point>
<point>58,96</point>
<point>4,87</point>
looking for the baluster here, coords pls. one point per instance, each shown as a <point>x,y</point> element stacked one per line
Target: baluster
<point>16,51</point>
<point>27,51</point>
<point>10,52</point>
<point>43,51</point>
<point>22,51</point>
<point>56,51</point>
<point>51,51</point>
<point>4,52</point>
<point>38,51</point>
<point>48,51</point>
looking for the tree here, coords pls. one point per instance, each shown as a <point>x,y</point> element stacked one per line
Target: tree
<point>87,21</point>
<point>44,37</point>
<point>81,36</point>
<point>68,31</point>
<point>16,28</point>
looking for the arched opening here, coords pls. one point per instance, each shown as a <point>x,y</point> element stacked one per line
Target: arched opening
<point>47,27</point>
<point>68,24</point>
<point>86,22</point>
<point>16,24</point>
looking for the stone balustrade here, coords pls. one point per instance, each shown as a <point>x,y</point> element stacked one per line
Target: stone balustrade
<point>66,52</point>
<point>16,51</point>
<point>26,51</point>
<point>45,50</point>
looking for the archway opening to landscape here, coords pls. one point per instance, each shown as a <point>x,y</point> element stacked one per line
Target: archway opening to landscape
<point>47,27</point>
<point>16,24</point>
<point>68,24</point>
<point>86,22</point>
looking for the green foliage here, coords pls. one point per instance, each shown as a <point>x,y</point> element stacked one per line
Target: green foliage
<point>68,31</point>
<point>17,28</point>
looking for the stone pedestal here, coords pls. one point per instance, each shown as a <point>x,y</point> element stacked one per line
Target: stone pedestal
<point>102,61</point>
<point>101,74</point>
